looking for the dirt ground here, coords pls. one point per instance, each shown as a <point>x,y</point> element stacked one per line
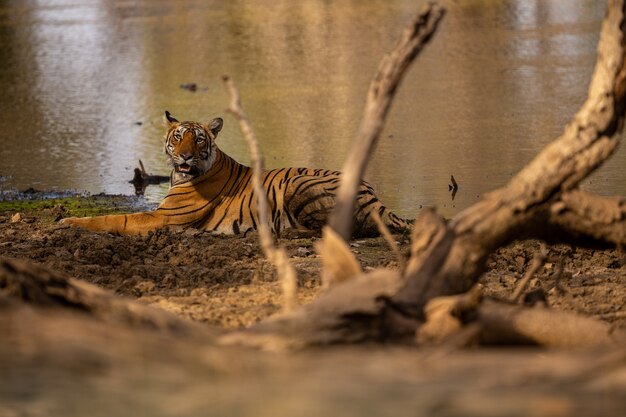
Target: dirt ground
<point>225,281</point>
<point>57,361</point>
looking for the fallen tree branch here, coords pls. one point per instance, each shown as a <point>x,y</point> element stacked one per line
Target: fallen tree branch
<point>277,256</point>
<point>509,212</point>
<point>429,227</point>
<point>538,261</point>
<point>448,258</point>
<point>585,218</point>
<point>379,97</point>
<point>345,313</point>
<point>497,322</point>
<point>514,324</point>
<point>386,234</point>
<point>39,286</point>
<point>339,263</point>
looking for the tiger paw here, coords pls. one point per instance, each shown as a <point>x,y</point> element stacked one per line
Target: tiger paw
<point>71,222</point>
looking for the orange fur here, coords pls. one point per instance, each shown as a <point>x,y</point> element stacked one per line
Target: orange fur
<point>216,193</point>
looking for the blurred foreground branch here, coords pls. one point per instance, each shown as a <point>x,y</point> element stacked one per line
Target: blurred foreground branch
<point>277,256</point>
<point>381,92</point>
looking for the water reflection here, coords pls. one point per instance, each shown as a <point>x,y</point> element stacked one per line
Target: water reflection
<point>499,81</point>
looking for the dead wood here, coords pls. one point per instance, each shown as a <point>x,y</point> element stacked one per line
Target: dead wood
<point>504,323</point>
<point>515,210</point>
<point>430,227</point>
<point>585,219</point>
<point>340,263</point>
<point>498,322</point>
<point>448,259</point>
<point>59,363</point>
<point>391,241</point>
<point>379,97</point>
<point>142,179</point>
<point>538,261</point>
<point>445,319</point>
<point>39,286</point>
<point>346,313</point>
<point>277,256</point>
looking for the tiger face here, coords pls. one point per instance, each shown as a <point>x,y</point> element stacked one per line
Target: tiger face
<point>190,147</point>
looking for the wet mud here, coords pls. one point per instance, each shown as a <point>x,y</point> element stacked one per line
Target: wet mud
<point>225,280</point>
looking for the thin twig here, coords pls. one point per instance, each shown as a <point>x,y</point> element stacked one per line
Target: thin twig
<point>615,315</point>
<point>277,256</point>
<point>384,231</point>
<point>379,97</point>
<point>558,276</point>
<point>538,260</point>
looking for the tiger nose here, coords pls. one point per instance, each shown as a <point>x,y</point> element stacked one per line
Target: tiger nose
<point>186,156</point>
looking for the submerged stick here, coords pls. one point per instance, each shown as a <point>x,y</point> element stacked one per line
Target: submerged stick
<point>277,256</point>
<point>379,97</point>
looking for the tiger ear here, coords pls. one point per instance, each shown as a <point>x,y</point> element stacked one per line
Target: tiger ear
<point>215,126</point>
<point>169,119</point>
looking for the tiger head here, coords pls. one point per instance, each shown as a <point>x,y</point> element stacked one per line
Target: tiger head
<point>190,147</point>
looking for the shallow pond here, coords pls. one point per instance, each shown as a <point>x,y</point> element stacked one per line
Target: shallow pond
<point>85,84</point>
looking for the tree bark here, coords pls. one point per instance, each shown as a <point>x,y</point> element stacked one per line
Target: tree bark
<point>41,287</point>
<point>379,97</point>
<point>448,258</point>
<point>505,214</point>
<point>277,256</point>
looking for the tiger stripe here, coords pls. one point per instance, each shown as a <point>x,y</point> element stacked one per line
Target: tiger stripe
<point>213,192</point>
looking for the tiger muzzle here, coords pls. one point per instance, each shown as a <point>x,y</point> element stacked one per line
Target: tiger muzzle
<point>187,165</point>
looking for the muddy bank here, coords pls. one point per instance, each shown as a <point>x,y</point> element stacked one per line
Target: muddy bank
<point>225,281</point>
<point>61,362</point>
<point>222,280</point>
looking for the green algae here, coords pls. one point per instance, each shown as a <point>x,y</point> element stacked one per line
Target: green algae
<point>45,208</point>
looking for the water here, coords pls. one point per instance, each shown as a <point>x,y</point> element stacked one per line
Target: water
<point>85,84</point>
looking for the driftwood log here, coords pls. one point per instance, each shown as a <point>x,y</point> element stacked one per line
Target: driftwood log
<point>541,201</point>
<point>518,209</point>
<point>277,256</point>
<point>40,287</point>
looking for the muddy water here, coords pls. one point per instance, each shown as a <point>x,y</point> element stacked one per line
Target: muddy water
<point>85,83</point>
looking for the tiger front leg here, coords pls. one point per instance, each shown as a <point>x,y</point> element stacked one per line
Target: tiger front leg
<point>124,224</point>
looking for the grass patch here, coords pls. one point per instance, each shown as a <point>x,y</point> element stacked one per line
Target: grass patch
<point>73,206</point>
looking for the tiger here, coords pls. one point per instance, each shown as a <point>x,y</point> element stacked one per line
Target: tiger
<point>211,191</point>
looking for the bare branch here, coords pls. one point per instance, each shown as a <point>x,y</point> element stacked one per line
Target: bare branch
<point>502,215</point>
<point>429,227</point>
<point>339,263</point>
<point>379,97</point>
<point>582,215</point>
<point>538,260</point>
<point>384,231</point>
<point>448,258</point>
<point>277,256</point>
